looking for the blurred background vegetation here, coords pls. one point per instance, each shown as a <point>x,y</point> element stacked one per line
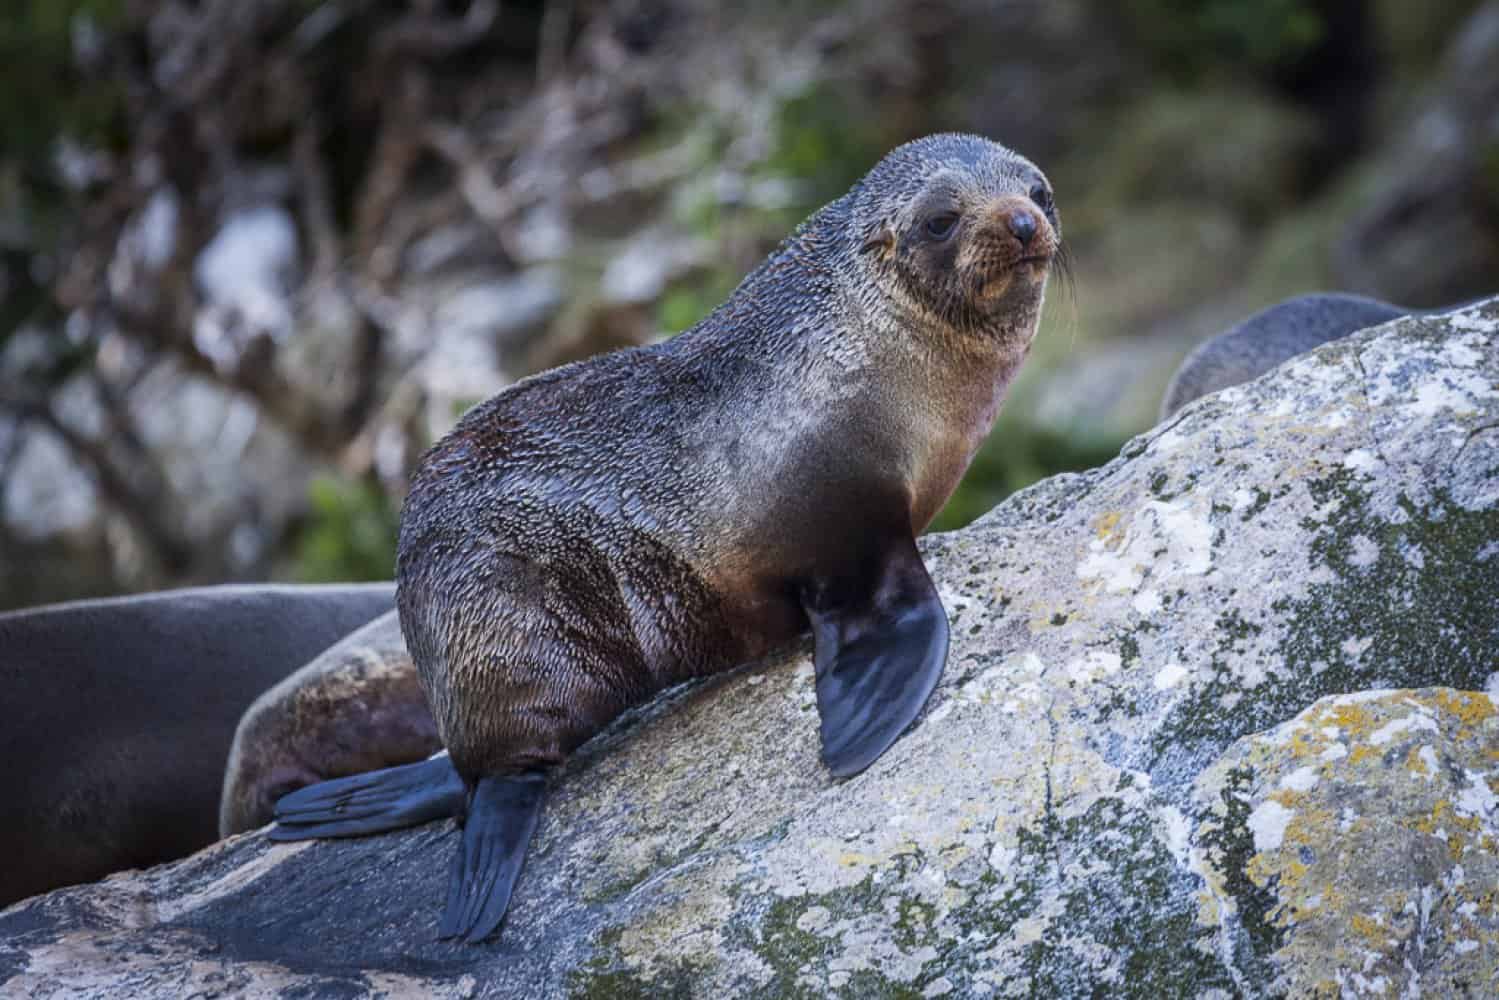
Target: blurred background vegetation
<point>256,254</point>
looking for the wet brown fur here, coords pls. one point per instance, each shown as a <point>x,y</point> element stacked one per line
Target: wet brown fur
<point>601,531</point>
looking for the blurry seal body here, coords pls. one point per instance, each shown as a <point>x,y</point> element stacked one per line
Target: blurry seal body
<point>599,532</point>
<point>118,713</point>
<point>358,706</point>
<point>1269,338</point>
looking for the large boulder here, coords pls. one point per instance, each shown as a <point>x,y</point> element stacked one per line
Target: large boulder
<point>1213,724</point>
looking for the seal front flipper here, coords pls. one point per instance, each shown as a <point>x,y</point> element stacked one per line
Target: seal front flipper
<point>880,649</point>
<point>502,815</point>
<point>372,802</point>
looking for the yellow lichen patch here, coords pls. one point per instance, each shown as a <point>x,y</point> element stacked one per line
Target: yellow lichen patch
<point>1313,823</point>
<point>1106,526</point>
<point>1473,708</point>
<point>1209,909</point>
<point>1291,798</point>
<point>1368,928</point>
<point>1308,741</point>
<point>1354,718</point>
<point>1416,764</point>
<point>853,859</point>
<point>1308,827</point>
<point>1446,824</point>
<point>1262,868</point>
<point>1441,814</point>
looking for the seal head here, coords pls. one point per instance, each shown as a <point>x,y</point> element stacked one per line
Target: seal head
<point>958,234</point>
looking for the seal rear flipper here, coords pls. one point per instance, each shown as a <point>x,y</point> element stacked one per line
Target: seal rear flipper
<point>373,802</point>
<point>878,657</point>
<point>502,815</point>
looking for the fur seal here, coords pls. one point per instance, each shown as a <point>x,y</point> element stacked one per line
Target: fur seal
<point>1269,338</point>
<point>118,715</point>
<point>357,707</point>
<point>598,532</point>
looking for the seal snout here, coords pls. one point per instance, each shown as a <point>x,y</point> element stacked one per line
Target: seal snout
<point>1013,232</point>
<point>1022,225</point>
<point>1025,233</point>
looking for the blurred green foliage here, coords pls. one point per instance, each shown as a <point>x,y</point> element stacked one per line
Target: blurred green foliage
<point>1193,38</point>
<point>349,534</point>
<point>44,96</point>
<point>1016,455</point>
<point>826,141</point>
<point>689,301</point>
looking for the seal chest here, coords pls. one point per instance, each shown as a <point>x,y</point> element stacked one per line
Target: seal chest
<point>598,532</point>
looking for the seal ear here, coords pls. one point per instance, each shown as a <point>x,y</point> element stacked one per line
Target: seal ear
<point>879,653</point>
<point>880,240</point>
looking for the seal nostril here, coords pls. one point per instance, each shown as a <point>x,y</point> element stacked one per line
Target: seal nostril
<point>1022,224</point>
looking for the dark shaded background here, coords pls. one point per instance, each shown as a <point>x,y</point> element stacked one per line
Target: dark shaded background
<point>257,254</point>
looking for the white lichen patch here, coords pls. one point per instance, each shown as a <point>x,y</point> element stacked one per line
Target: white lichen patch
<point>1427,758</point>
<point>1336,419</point>
<point>1013,684</point>
<point>1268,823</point>
<point>1165,539</point>
<point>1465,351</point>
<point>1472,320</point>
<point>1170,676</point>
<point>1168,441</point>
<point>1365,552</point>
<point>1362,460</point>
<point>1147,602</point>
<point>1397,727</point>
<point>1093,666</point>
<point>1178,834</point>
<point>1476,797</point>
<point>1303,779</point>
<point>1460,392</point>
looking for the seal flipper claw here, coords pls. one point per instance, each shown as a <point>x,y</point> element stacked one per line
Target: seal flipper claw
<point>502,816</point>
<point>878,658</point>
<point>372,802</point>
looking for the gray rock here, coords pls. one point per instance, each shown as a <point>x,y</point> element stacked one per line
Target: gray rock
<point>1073,816</point>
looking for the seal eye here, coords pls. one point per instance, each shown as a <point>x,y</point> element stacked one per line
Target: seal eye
<point>941,226</point>
<point>1042,197</point>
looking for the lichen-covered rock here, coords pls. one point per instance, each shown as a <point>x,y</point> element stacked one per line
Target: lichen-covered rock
<point>1358,846</point>
<point>1062,822</point>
